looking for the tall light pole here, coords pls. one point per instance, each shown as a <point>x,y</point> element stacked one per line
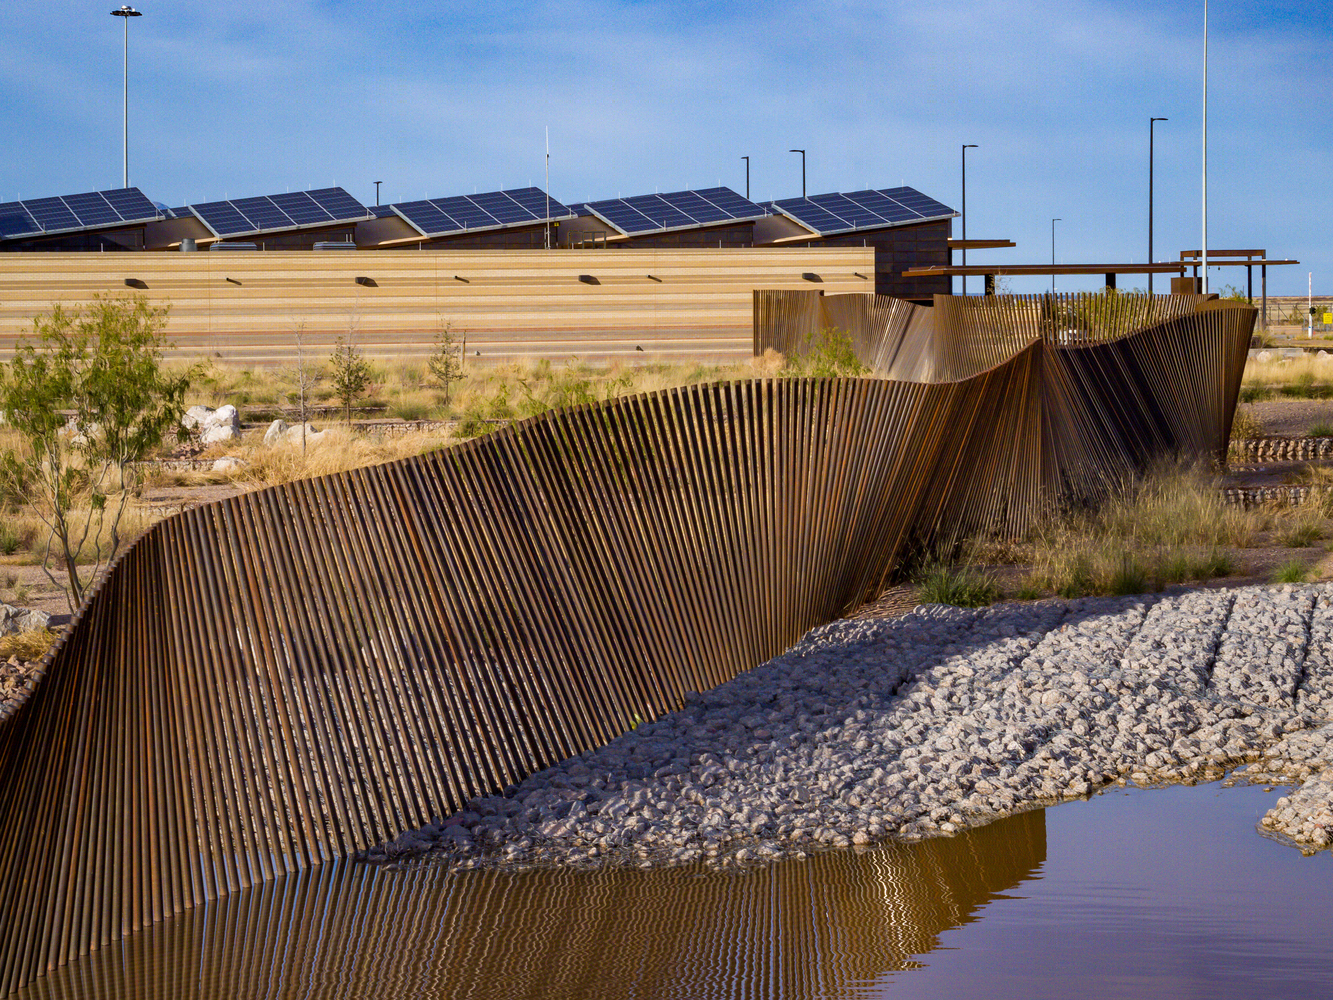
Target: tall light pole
<point>1151,122</point>
<point>1204,248</point>
<point>1053,222</point>
<point>965,149</point>
<point>377,191</point>
<point>127,13</point>
<point>802,152</point>
<point>747,176</point>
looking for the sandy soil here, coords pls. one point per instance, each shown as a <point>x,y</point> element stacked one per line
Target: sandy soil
<point>1291,417</point>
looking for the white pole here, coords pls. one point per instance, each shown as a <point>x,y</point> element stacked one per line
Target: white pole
<point>1205,147</point>
<point>548,187</point>
<point>126,176</point>
<point>1309,305</point>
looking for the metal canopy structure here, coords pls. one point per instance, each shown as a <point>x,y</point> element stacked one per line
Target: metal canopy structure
<point>664,213</point>
<point>278,212</point>
<point>836,213</point>
<point>74,213</point>
<point>473,213</point>
<point>1015,269</point>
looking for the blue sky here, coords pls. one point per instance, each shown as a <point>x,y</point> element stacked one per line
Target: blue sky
<point>230,99</point>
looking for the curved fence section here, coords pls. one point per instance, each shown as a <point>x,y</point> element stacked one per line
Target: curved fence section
<point>279,679</point>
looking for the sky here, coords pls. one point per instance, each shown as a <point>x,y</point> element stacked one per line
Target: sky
<point>232,99</point>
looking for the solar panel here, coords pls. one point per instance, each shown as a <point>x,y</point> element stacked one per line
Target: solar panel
<point>180,213</point>
<point>661,214</point>
<point>262,213</point>
<point>732,203</point>
<point>15,221</point>
<point>338,203</point>
<point>379,211</point>
<point>535,201</point>
<point>92,209</point>
<point>222,218</point>
<point>844,208</point>
<point>623,216</point>
<point>695,207</point>
<point>51,214</point>
<point>301,208</point>
<point>132,204</point>
<point>886,208</point>
<point>505,209</point>
<point>918,202</point>
<point>813,217</point>
<point>426,217</point>
<point>464,212</point>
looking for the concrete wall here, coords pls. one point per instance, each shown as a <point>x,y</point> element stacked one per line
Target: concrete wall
<point>677,305</point>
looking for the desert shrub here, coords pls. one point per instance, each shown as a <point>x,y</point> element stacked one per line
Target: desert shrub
<point>962,586</point>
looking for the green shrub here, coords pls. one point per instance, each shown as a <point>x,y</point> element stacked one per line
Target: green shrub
<point>1290,572</point>
<point>961,586</point>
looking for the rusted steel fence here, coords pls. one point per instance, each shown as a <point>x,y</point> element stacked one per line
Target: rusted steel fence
<point>269,682</point>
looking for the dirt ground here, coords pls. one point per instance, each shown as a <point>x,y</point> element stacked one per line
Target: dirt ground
<point>1291,417</point>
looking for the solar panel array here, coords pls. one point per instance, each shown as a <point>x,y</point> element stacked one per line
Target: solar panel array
<point>655,213</point>
<point>270,213</point>
<point>829,214</point>
<point>72,212</point>
<point>473,212</point>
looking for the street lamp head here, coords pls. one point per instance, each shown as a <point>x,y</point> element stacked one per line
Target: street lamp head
<point>1159,119</point>
<point>796,150</point>
<point>127,12</point>
<point>971,145</point>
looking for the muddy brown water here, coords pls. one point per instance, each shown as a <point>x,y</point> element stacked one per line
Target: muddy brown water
<point>1134,893</point>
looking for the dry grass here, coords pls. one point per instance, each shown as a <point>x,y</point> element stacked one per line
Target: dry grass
<point>337,450</point>
<point>1170,527</point>
<point>1309,376</point>
<point>27,646</point>
<point>1246,425</point>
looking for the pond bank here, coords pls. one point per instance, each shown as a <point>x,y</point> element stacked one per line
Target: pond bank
<point>942,719</point>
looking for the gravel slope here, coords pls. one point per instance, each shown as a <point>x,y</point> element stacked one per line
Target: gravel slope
<point>941,719</point>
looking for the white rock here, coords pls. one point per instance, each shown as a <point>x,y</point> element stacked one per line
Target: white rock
<point>275,433</point>
<point>223,424</point>
<point>229,465</point>
<point>14,620</point>
<point>312,436</point>
<point>195,416</point>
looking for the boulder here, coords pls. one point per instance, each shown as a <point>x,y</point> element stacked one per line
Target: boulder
<point>14,620</point>
<point>229,465</point>
<point>223,424</point>
<point>280,432</point>
<point>195,416</point>
<point>275,433</point>
<point>213,426</point>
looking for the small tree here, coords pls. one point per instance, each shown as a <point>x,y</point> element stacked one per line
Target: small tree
<point>303,379</point>
<point>104,363</point>
<point>351,374</point>
<point>446,364</point>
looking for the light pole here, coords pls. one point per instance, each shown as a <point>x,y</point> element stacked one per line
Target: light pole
<point>1204,248</point>
<point>377,192</point>
<point>747,177</point>
<point>802,152</point>
<point>1053,222</point>
<point>965,149</point>
<point>1151,122</point>
<point>127,13</point>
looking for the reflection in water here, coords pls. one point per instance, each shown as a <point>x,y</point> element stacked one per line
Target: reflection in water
<point>828,926</point>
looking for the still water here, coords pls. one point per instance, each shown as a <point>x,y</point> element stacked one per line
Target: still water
<point>1162,893</point>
